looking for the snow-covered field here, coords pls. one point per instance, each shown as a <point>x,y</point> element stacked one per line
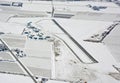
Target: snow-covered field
<point>58,59</point>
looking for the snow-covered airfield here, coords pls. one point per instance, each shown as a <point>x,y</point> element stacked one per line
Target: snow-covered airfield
<point>59,42</point>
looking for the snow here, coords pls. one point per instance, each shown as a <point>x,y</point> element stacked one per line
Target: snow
<point>68,61</point>
<point>97,16</point>
<point>43,6</point>
<point>79,28</point>
<point>104,79</point>
<point>71,6</point>
<point>48,26</point>
<point>80,54</point>
<point>4,17</point>
<point>51,81</point>
<point>82,3</point>
<point>24,20</point>
<point>38,59</point>
<point>11,40</point>
<point>66,66</point>
<point>37,6</point>
<point>7,78</point>
<point>112,41</point>
<point>8,28</point>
